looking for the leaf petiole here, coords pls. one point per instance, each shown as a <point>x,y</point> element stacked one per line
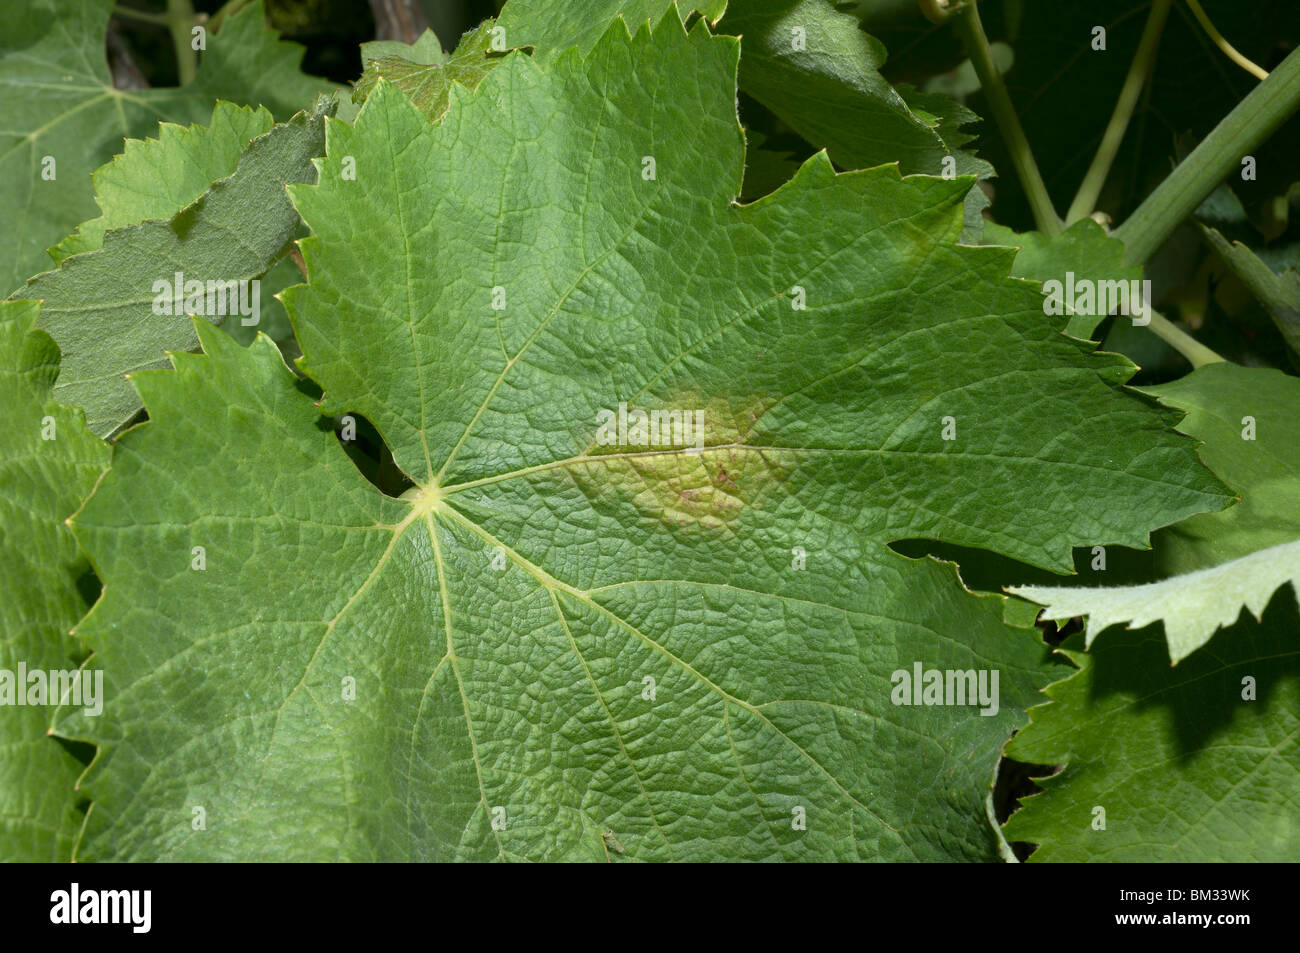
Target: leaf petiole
<point>180,20</point>
<point>143,16</point>
<point>1228,49</point>
<point>968,25</point>
<point>1197,354</point>
<point>1085,201</point>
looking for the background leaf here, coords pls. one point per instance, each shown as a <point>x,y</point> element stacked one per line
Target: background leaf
<point>42,481</point>
<point>100,307</point>
<point>1185,767</point>
<point>1084,248</point>
<point>60,102</point>
<point>1192,606</point>
<point>423,71</point>
<point>1264,469</point>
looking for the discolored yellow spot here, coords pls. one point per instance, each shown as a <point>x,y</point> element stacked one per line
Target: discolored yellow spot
<point>688,488</point>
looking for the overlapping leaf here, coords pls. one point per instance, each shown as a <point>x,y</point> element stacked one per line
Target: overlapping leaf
<point>106,309</point>
<point>48,464</point>
<point>1249,420</point>
<point>1192,606</point>
<point>548,640</point>
<point>1083,250</point>
<point>423,71</point>
<point>60,105</point>
<point>812,66</point>
<point>156,178</point>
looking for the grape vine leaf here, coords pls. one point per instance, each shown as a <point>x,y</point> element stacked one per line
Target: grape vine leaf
<point>1194,763</point>
<point>1192,606</point>
<point>549,638</point>
<point>61,107</point>
<point>426,50</point>
<point>1214,563</point>
<point>552,26</point>
<point>156,178</point>
<point>423,71</point>
<point>1249,421</point>
<point>102,307</point>
<point>51,462</point>
<point>1084,249</point>
<point>1279,293</point>
<point>807,62</point>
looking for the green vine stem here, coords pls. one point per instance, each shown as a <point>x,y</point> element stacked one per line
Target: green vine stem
<point>936,11</point>
<point>1085,201</point>
<point>1253,120</point>
<point>144,16</point>
<point>1197,354</point>
<point>1228,49</point>
<point>181,20</point>
<point>967,22</point>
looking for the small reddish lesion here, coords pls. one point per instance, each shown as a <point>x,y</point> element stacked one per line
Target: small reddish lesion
<point>723,478</point>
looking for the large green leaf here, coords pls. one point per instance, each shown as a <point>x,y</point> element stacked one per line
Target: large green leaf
<point>60,103</point>
<point>690,648</point>
<point>104,309</point>
<point>1194,763</point>
<point>50,463</point>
